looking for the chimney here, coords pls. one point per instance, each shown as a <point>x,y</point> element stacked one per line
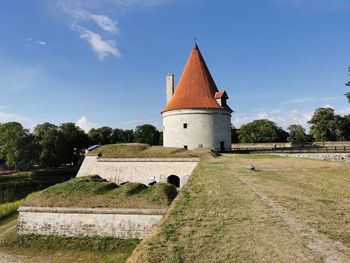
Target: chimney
<point>169,78</point>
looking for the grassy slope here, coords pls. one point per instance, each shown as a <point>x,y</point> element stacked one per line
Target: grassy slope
<point>9,208</point>
<point>90,192</point>
<point>43,249</point>
<point>135,150</point>
<point>19,185</point>
<point>217,218</point>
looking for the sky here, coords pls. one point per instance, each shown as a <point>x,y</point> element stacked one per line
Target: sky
<point>103,62</point>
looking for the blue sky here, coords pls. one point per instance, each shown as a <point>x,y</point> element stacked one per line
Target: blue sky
<point>103,62</point>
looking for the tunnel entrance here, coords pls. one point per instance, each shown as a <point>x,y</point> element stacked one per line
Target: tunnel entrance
<point>174,180</point>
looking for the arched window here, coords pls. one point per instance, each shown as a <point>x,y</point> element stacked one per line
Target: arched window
<point>174,180</point>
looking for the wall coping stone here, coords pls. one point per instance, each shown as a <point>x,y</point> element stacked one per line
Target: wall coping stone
<point>148,159</point>
<point>77,210</point>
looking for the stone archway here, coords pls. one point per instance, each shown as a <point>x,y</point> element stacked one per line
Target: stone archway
<point>174,180</point>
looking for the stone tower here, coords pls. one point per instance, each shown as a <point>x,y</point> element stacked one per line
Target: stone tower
<point>196,114</point>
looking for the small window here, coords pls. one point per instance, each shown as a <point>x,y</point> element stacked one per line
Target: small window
<point>186,147</point>
<point>185,125</point>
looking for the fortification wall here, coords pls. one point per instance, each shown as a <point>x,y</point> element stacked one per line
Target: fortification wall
<point>339,157</point>
<point>119,223</point>
<point>206,127</point>
<point>119,170</point>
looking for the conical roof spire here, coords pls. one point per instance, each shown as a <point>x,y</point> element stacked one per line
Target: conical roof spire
<point>196,88</point>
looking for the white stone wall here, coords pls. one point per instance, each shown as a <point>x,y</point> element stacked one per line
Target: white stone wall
<point>138,170</point>
<point>206,127</point>
<point>119,223</point>
<point>339,157</point>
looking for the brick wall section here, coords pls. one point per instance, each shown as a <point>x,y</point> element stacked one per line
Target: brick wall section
<point>119,223</point>
<point>119,170</point>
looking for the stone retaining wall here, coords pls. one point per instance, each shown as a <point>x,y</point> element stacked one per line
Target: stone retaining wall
<point>142,170</point>
<point>339,157</point>
<point>118,223</point>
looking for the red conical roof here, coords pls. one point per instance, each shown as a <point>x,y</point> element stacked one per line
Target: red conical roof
<point>196,88</point>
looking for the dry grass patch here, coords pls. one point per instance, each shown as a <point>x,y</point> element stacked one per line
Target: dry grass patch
<point>217,218</point>
<point>93,191</point>
<point>136,150</point>
<point>315,192</point>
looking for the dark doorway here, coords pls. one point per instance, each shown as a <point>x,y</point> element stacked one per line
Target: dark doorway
<point>222,146</point>
<point>174,180</point>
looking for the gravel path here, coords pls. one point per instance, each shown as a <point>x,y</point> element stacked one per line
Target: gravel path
<point>329,250</point>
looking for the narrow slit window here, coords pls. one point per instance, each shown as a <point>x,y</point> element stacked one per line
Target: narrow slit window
<point>185,125</point>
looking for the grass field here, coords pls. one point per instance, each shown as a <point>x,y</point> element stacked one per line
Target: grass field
<point>136,150</point>
<point>289,210</point>
<point>43,249</point>
<point>92,191</point>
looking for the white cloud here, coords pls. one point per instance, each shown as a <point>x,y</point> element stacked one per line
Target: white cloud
<point>101,47</point>
<point>106,23</point>
<point>328,106</point>
<point>297,101</point>
<point>36,42</point>
<point>85,124</point>
<point>306,100</point>
<point>345,111</point>
<point>103,21</point>
<point>9,117</point>
<point>40,42</point>
<point>80,14</point>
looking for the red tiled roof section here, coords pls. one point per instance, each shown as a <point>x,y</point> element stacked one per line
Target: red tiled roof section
<point>196,88</point>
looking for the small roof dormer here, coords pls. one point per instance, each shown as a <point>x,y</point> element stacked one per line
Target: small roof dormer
<point>221,97</point>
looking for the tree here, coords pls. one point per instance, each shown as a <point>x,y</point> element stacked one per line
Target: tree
<point>297,134</point>
<point>74,140</point>
<point>122,136</point>
<point>147,134</point>
<point>16,144</point>
<point>50,141</point>
<point>260,131</point>
<point>326,126</point>
<point>348,84</point>
<point>234,135</point>
<point>101,135</point>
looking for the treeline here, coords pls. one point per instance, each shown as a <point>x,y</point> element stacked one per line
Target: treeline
<point>325,125</point>
<point>50,145</point>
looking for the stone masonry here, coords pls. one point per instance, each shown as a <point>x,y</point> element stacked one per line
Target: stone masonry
<point>339,157</point>
<point>142,170</point>
<point>118,223</point>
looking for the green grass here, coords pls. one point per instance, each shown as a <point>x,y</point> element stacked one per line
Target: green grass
<point>9,208</point>
<point>92,191</point>
<point>135,150</point>
<point>217,218</point>
<point>68,249</point>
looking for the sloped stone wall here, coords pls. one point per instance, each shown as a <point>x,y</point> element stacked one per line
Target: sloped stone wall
<point>118,223</point>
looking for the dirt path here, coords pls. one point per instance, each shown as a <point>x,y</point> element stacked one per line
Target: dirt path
<point>7,258</point>
<point>330,251</point>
